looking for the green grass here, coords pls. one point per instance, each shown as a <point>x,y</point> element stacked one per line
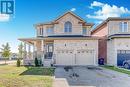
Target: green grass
<point>117,69</point>
<point>12,76</point>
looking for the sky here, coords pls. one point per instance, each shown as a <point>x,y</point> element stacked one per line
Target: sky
<point>30,12</point>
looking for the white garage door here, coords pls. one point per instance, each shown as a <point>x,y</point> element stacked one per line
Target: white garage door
<point>85,57</point>
<point>78,57</point>
<point>65,57</point>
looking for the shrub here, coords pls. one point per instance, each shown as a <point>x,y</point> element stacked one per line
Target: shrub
<point>18,62</point>
<point>36,62</point>
<point>67,68</point>
<point>40,62</point>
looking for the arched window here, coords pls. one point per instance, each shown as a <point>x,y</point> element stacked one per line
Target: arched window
<point>68,26</point>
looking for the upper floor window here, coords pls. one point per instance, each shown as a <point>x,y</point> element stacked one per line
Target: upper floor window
<point>68,26</point>
<point>50,30</point>
<point>84,31</point>
<point>40,31</point>
<point>123,26</point>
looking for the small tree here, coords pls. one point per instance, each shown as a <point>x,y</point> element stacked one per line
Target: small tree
<point>36,62</point>
<point>5,51</point>
<point>18,62</point>
<point>21,50</point>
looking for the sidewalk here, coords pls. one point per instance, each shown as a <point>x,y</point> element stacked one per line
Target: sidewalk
<point>7,62</point>
<point>60,82</point>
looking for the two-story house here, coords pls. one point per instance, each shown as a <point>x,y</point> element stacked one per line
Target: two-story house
<point>66,40</point>
<point>114,43</point>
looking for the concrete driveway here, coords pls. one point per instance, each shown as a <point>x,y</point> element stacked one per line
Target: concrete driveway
<point>89,77</point>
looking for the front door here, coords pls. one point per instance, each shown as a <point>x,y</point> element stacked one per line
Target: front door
<point>49,51</point>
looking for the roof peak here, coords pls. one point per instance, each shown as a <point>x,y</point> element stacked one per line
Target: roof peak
<point>67,12</point>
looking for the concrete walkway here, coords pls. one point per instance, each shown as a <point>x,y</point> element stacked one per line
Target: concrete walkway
<point>60,82</point>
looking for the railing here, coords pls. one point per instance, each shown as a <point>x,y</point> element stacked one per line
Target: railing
<point>28,62</point>
<point>37,54</point>
<point>49,58</point>
<point>48,55</point>
<point>54,58</point>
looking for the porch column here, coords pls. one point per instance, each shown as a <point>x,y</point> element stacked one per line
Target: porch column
<point>25,52</point>
<point>29,51</point>
<point>34,50</point>
<point>43,51</point>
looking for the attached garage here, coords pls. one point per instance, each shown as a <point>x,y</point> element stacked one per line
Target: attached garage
<point>80,57</point>
<point>65,57</point>
<point>76,52</point>
<point>122,55</point>
<point>118,50</point>
<point>85,57</point>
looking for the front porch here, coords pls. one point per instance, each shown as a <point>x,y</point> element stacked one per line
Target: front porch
<point>38,48</point>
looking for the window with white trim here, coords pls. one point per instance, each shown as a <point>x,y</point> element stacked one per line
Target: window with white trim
<point>84,31</point>
<point>123,26</point>
<point>68,27</point>
<point>50,30</point>
<point>41,31</point>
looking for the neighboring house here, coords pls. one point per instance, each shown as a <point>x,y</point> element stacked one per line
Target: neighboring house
<point>13,56</point>
<point>0,55</point>
<point>114,43</point>
<point>65,41</point>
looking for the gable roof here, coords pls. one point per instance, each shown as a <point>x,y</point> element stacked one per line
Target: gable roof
<point>107,20</point>
<point>69,12</point>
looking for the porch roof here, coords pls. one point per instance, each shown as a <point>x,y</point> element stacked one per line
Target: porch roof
<point>119,36</point>
<point>51,38</point>
<point>59,37</point>
<point>30,40</point>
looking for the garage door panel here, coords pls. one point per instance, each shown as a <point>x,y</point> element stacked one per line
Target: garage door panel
<point>85,57</point>
<point>122,55</point>
<point>65,57</point>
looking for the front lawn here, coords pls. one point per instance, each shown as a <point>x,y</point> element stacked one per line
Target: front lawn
<point>118,69</point>
<point>12,76</point>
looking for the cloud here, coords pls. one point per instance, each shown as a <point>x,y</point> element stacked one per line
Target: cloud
<point>73,9</point>
<point>4,17</point>
<point>95,3</point>
<point>106,10</point>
